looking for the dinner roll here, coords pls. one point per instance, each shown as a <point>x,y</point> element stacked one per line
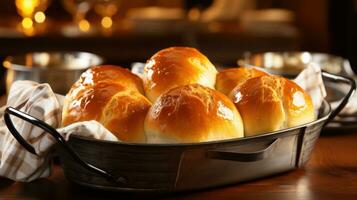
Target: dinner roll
<point>177,66</point>
<point>192,113</point>
<point>110,95</point>
<point>113,74</point>
<point>271,103</point>
<point>229,78</point>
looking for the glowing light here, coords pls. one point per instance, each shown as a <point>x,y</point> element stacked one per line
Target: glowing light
<point>6,64</point>
<point>30,32</point>
<point>305,57</point>
<point>40,17</point>
<point>27,7</point>
<point>27,23</point>
<point>84,25</point>
<point>107,22</point>
<point>194,14</point>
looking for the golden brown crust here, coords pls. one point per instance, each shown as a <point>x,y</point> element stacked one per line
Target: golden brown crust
<point>192,113</point>
<point>298,105</point>
<point>111,74</point>
<point>176,66</point>
<point>124,115</point>
<point>228,79</point>
<point>271,103</point>
<point>110,95</point>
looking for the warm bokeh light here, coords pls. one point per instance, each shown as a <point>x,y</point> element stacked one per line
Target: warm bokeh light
<point>40,17</point>
<point>29,31</point>
<point>194,14</point>
<point>84,25</point>
<point>107,22</point>
<point>107,8</point>
<point>26,7</point>
<point>27,23</point>
<point>6,64</point>
<point>27,26</point>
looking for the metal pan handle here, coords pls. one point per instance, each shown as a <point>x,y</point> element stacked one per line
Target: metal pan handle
<point>344,101</point>
<point>53,132</point>
<point>224,154</point>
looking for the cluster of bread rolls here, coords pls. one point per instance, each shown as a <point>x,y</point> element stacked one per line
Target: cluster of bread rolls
<point>183,99</point>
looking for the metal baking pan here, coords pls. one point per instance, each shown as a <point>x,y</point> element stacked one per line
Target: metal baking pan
<point>133,167</point>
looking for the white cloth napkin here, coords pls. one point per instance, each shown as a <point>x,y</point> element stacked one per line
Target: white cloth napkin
<point>311,81</point>
<point>41,102</point>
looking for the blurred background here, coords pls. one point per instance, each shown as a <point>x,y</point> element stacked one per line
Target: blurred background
<point>123,32</point>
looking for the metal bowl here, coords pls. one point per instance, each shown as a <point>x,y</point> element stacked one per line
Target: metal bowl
<point>59,69</point>
<point>290,64</point>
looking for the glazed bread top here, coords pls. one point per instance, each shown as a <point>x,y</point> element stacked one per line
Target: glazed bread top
<point>271,103</point>
<point>229,78</point>
<point>192,113</point>
<point>177,66</point>
<point>112,96</point>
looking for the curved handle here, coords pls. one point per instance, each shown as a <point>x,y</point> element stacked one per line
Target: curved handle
<point>351,91</point>
<point>53,132</point>
<point>226,154</point>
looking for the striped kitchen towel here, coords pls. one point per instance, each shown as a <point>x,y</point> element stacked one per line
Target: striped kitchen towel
<point>41,102</point>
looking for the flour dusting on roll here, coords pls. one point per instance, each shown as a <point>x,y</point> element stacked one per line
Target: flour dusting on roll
<point>176,66</point>
<point>192,113</point>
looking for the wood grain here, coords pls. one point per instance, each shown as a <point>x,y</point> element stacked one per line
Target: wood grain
<point>331,173</point>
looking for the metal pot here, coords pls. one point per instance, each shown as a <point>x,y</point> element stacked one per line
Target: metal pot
<point>59,69</point>
<point>290,64</point>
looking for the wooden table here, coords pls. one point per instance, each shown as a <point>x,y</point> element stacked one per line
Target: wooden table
<point>331,173</point>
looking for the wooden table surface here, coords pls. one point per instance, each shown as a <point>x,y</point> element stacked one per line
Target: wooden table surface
<point>331,173</point>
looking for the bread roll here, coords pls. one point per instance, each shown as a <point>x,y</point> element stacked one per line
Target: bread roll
<point>110,95</point>
<point>176,66</point>
<point>229,78</point>
<point>271,103</point>
<point>192,113</point>
<point>111,74</point>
